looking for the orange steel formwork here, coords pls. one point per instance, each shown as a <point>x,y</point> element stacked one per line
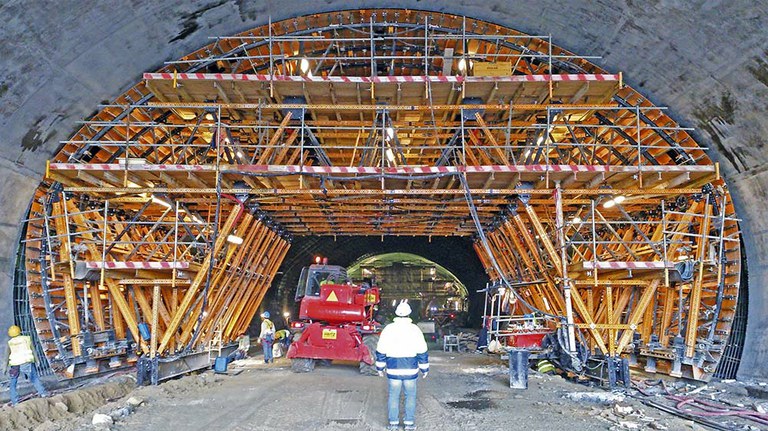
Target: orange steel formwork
<point>162,222</point>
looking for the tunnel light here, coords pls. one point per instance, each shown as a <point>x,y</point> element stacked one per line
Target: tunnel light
<point>304,65</point>
<point>240,154</point>
<point>234,239</point>
<point>463,63</point>
<point>577,220</point>
<point>540,140</point>
<point>286,314</point>
<point>209,116</point>
<point>159,201</point>
<point>390,155</point>
<point>610,203</point>
<point>390,132</point>
<point>527,153</point>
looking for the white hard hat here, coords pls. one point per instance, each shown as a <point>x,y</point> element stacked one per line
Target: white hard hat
<point>403,309</point>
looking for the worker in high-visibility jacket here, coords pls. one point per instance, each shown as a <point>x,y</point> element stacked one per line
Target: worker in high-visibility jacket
<point>402,352</point>
<point>20,358</point>
<point>267,336</point>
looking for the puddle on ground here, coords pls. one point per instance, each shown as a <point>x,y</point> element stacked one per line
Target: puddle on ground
<point>484,393</point>
<point>479,404</point>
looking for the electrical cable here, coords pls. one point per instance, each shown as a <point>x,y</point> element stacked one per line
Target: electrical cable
<point>484,241</point>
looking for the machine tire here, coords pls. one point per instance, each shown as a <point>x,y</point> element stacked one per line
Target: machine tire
<point>370,341</point>
<point>302,365</point>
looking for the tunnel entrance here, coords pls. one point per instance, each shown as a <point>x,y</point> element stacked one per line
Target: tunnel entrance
<point>162,223</point>
<point>433,292</point>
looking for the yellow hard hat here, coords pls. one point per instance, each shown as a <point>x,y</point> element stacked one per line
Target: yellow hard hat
<point>14,331</point>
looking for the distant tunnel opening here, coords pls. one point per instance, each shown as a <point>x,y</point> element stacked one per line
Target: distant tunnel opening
<point>457,262</point>
<point>163,222</point>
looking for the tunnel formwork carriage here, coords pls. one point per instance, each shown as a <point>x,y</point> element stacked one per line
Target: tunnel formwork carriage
<point>162,222</point>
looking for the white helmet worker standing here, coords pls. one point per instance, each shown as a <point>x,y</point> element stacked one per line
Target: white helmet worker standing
<point>402,352</point>
<point>20,358</point>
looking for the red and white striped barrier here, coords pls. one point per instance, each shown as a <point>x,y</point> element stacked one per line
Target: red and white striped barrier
<point>130,167</point>
<point>377,79</point>
<point>626,265</point>
<point>137,265</point>
<point>295,169</point>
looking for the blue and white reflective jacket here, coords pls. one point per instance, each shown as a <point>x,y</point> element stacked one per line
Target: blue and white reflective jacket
<point>402,350</point>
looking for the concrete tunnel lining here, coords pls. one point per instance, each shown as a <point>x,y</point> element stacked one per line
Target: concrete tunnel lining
<point>746,227</point>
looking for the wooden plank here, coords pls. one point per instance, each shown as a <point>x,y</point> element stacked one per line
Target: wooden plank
<point>186,302</point>
<point>637,314</point>
<point>694,303</point>
<point>73,316</point>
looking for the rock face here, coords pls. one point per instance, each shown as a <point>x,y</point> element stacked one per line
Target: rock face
<point>73,58</point>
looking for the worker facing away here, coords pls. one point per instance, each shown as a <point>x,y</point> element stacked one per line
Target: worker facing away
<point>402,352</point>
<point>267,336</point>
<point>21,359</point>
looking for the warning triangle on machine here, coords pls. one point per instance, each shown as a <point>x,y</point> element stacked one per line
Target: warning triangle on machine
<point>332,297</point>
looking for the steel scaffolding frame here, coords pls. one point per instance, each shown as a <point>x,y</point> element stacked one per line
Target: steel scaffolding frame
<point>380,123</point>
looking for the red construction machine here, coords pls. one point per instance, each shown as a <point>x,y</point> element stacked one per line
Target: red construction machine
<point>335,320</point>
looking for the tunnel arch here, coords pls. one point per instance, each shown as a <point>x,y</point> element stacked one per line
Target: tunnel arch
<point>454,254</point>
<point>496,216</point>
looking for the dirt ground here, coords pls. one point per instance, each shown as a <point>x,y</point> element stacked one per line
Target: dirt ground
<point>462,392</point>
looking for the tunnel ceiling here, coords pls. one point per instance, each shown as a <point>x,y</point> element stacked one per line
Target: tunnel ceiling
<point>175,204</point>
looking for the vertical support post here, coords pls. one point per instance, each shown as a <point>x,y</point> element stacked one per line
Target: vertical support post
<point>463,140</point>
<point>560,227</point>
<point>174,272</point>
<point>609,313</point>
<point>155,312</point>
<point>102,272</point>
<point>594,242</point>
<point>127,144</point>
<point>301,150</point>
<point>426,47</point>
<point>271,63</point>
<point>551,85</point>
<point>695,298</point>
<point>373,49</point>
<point>664,242</point>
<point>464,55</point>
<point>383,114</point>
<point>546,140</point>
<point>639,148</point>
<point>70,295</point>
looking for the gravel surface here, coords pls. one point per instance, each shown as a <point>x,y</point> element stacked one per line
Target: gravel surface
<point>462,392</point>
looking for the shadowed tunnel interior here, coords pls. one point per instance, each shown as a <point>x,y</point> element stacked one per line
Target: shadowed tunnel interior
<point>455,254</point>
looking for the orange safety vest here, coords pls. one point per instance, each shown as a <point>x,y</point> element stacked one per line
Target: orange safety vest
<point>21,350</point>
